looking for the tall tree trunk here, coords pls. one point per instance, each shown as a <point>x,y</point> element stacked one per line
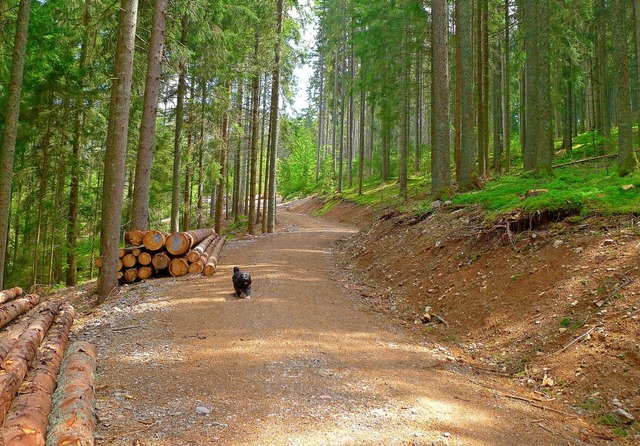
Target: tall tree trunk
<point>457,137</point>
<point>627,160</point>
<point>116,150</point>
<point>9,137</point>
<point>201,150</point>
<point>334,119</point>
<point>275,107</point>
<point>479,87</point>
<point>144,159</point>
<point>188,175</point>
<point>636,35</point>
<point>539,124</point>
<point>255,107</point>
<point>507,88</point>
<point>352,118</point>
<point>419,108</point>
<point>485,83</point>
<point>222,160</point>
<point>74,188</point>
<point>440,153</point>
<point>343,75</point>
<point>361,144</point>
<point>44,173</point>
<point>177,139</point>
<point>320,117</point>
<point>237,156</point>
<point>603,78</point>
<point>468,173</point>
<point>497,108</point>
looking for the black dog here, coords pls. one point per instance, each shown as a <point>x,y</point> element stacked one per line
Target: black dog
<point>241,282</point>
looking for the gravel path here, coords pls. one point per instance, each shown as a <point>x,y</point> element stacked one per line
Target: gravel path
<point>184,362</point>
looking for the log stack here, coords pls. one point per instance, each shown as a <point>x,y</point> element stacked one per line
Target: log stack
<point>155,253</point>
<point>31,354</point>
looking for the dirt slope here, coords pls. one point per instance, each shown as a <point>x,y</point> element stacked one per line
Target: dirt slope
<point>554,307</point>
<point>305,361</point>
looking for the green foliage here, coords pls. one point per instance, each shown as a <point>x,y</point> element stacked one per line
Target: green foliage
<point>296,170</point>
<point>589,190</point>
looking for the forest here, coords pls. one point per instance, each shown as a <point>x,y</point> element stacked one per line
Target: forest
<point>172,115</point>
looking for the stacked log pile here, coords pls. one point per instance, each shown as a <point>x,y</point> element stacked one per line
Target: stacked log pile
<point>31,353</point>
<point>155,253</point>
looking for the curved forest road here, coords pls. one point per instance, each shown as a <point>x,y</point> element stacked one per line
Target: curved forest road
<point>300,363</point>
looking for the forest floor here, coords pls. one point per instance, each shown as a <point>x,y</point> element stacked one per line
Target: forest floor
<point>532,338</point>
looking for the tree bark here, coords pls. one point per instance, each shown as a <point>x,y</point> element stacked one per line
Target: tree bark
<point>116,150</point>
<point>212,262</point>
<point>10,135</point>
<point>507,88</point>
<point>11,310</point>
<point>627,160</point>
<point>468,173</point>
<point>440,154</point>
<point>26,422</point>
<point>14,367</point>
<point>72,419</point>
<point>636,35</point>
<point>255,107</point>
<point>177,141</point>
<point>275,101</point>
<point>10,294</point>
<point>74,187</point>
<point>148,121</point>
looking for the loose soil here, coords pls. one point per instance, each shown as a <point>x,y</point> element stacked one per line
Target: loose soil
<point>530,341</point>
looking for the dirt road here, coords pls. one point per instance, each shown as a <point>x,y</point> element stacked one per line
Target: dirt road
<point>184,362</point>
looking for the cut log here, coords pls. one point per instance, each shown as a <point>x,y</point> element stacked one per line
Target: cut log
<point>135,250</point>
<point>196,252</point>
<point>119,265</point>
<point>130,275</point>
<point>26,422</point>
<point>179,267</point>
<point>72,420</point>
<point>15,308</point>
<point>10,335</point>
<point>144,272</point>
<point>144,259</point>
<point>180,243</point>
<point>212,262</point>
<point>154,240</point>
<point>14,367</point>
<point>197,267</point>
<point>10,294</point>
<point>161,261</point>
<point>134,237</point>
<point>129,261</point>
<point>98,262</point>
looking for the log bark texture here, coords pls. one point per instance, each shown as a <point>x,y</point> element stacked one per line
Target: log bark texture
<point>14,367</point>
<point>26,422</point>
<point>212,262</point>
<point>10,294</point>
<point>72,420</point>
<point>196,252</point>
<point>10,310</point>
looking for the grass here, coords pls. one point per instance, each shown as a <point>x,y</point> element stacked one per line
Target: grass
<point>592,188</point>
